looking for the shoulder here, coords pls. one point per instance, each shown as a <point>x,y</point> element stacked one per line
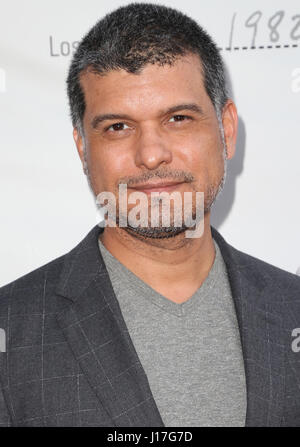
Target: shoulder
<point>265,269</point>
<point>27,289</point>
<point>257,271</point>
<point>30,292</point>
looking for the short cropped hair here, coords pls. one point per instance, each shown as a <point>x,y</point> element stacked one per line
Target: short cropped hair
<point>138,34</point>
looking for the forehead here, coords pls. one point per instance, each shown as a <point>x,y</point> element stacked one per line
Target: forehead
<point>154,87</point>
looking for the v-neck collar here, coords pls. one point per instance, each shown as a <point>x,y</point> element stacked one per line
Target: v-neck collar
<point>120,274</point>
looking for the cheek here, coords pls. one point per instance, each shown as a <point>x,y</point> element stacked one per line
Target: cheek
<point>202,155</point>
<point>202,151</point>
<point>107,165</point>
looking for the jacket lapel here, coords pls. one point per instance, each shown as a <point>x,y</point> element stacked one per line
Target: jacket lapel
<point>93,324</point>
<point>260,323</point>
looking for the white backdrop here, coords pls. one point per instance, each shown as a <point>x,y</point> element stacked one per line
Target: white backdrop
<point>46,206</point>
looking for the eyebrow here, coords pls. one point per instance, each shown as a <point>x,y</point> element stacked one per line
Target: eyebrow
<point>112,116</point>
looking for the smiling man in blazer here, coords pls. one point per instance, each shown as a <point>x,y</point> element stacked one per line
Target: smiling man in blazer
<point>141,325</point>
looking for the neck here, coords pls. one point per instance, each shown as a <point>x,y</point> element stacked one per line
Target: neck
<point>175,267</point>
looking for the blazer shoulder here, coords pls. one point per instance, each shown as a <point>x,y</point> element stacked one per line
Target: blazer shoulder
<point>260,268</point>
<point>252,266</point>
<point>31,287</point>
<point>34,280</point>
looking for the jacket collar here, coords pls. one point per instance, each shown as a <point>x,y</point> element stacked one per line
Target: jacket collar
<point>259,316</point>
<point>93,324</point>
<point>94,327</point>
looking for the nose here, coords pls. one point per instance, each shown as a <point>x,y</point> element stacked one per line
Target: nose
<point>152,149</point>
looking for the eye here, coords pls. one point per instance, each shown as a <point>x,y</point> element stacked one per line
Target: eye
<point>180,118</point>
<point>116,126</point>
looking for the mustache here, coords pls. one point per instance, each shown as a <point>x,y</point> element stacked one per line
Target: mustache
<point>174,175</point>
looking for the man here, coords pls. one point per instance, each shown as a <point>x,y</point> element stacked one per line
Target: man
<point>141,325</point>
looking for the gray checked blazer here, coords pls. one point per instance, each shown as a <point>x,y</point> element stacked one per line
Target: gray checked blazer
<point>70,361</point>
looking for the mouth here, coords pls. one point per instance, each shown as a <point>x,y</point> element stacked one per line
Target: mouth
<point>147,188</point>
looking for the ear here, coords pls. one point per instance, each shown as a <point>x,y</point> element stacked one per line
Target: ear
<point>80,147</point>
<point>230,126</point>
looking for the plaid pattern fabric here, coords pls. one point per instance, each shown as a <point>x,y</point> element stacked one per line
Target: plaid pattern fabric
<point>70,361</point>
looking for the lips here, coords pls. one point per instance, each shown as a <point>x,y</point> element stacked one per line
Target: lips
<point>162,186</point>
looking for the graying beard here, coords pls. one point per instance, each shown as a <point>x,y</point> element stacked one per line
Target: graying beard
<point>156,232</point>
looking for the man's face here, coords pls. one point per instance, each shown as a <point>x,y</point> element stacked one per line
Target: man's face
<point>146,141</point>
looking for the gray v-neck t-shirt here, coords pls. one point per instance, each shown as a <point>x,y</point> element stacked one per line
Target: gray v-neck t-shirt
<point>191,352</point>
